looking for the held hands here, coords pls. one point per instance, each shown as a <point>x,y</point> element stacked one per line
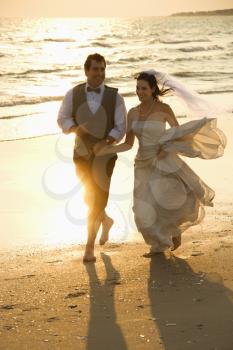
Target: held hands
<point>100,148</point>
<point>104,146</point>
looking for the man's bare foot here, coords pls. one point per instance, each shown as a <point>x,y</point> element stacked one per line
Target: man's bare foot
<point>89,255</point>
<point>106,226</point>
<point>176,242</point>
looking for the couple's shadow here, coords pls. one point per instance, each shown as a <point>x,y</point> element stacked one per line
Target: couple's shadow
<point>190,310</point>
<point>103,330</point>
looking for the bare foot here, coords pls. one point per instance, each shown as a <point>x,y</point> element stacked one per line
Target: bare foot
<point>106,226</point>
<point>176,242</point>
<point>89,255</point>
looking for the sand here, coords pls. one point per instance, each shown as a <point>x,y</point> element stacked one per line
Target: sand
<point>50,300</point>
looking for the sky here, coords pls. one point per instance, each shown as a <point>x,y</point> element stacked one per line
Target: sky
<point>103,8</point>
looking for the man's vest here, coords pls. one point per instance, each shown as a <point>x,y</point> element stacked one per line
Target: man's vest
<point>99,124</point>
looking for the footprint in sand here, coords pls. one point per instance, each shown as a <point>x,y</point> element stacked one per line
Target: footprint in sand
<point>75,295</point>
<point>7,307</point>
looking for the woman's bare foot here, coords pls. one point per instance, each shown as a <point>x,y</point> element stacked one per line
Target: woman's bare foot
<point>106,226</point>
<point>89,255</point>
<point>176,242</point>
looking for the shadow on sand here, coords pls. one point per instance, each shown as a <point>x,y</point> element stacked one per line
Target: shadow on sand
<point>191,310</point>
<point>103,331</point>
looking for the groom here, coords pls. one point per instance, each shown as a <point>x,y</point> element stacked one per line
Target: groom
<point>96,113</point>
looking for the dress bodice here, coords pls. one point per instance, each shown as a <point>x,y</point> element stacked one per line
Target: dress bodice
<point>148,133</point>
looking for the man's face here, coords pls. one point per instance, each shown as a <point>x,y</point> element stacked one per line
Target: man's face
<point>96,73</point>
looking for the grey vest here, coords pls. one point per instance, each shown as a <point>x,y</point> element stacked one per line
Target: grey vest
<point>99,124</point>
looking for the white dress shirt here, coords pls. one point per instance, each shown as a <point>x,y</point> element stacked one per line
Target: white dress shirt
<point>65,120</point>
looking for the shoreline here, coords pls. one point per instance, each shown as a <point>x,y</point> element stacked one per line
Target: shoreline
<point>27,123</point>
<point>38,185</point>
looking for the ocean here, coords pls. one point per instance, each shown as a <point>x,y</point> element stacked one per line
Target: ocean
<point>41,58</point>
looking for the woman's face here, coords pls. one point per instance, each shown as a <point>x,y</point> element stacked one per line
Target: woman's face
<point>144,90</point>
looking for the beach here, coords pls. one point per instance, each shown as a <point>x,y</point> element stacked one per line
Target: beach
<point>181,300</point>
<point>50,300</point>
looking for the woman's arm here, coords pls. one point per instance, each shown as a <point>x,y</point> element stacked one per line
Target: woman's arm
<point>122,147</point>
<point>170,117</point>
<point>173,122</point>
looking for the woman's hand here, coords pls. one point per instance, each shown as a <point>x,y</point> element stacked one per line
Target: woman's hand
<point>101,151</point>
<point>100,148</point>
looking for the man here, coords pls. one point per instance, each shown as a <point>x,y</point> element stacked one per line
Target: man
<point>96,113</point>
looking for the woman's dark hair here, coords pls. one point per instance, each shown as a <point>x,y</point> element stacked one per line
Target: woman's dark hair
<point>150,78</point>
<point>94,57</point>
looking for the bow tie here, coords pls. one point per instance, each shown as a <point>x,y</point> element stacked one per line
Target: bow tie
<point>96,90</point>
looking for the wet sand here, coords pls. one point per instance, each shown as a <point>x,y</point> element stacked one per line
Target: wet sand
<point>50,300</point>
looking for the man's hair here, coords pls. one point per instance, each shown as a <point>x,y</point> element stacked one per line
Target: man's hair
<point>94,57</point>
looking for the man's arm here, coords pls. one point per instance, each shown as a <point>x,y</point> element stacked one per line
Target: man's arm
<point>119,130</point>
<point>65,119</point>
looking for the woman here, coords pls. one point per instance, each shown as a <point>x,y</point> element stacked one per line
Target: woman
<point>168,196</point>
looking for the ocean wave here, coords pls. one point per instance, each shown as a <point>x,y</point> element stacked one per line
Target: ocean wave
<point>200,74</point>
<point>60,40</point>
<point>30,41</point>
<point>153,41</point>
<point>30,137</point>
<point>209,92</point>
<point>110,36</point>
<point>35,71</point>
<point>133,59</point>
<point>183,41</point>
<point>32,71</point>
<point>164,59</point>
<point>201,48</point>
<point>100,44</point>
<point>182,59</point>
<point>19,115</point>
<point>199,58</point>
<point>29,101</point>
<point>57,40</point>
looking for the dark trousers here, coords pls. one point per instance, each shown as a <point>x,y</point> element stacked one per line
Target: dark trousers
<point>95,174</point>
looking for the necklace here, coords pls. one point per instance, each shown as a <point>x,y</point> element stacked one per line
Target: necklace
<point>147,112</point>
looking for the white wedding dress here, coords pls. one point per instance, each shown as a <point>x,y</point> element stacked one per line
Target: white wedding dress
<point>168,196</point>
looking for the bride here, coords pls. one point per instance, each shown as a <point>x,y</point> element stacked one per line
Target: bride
<point>169,196</point>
